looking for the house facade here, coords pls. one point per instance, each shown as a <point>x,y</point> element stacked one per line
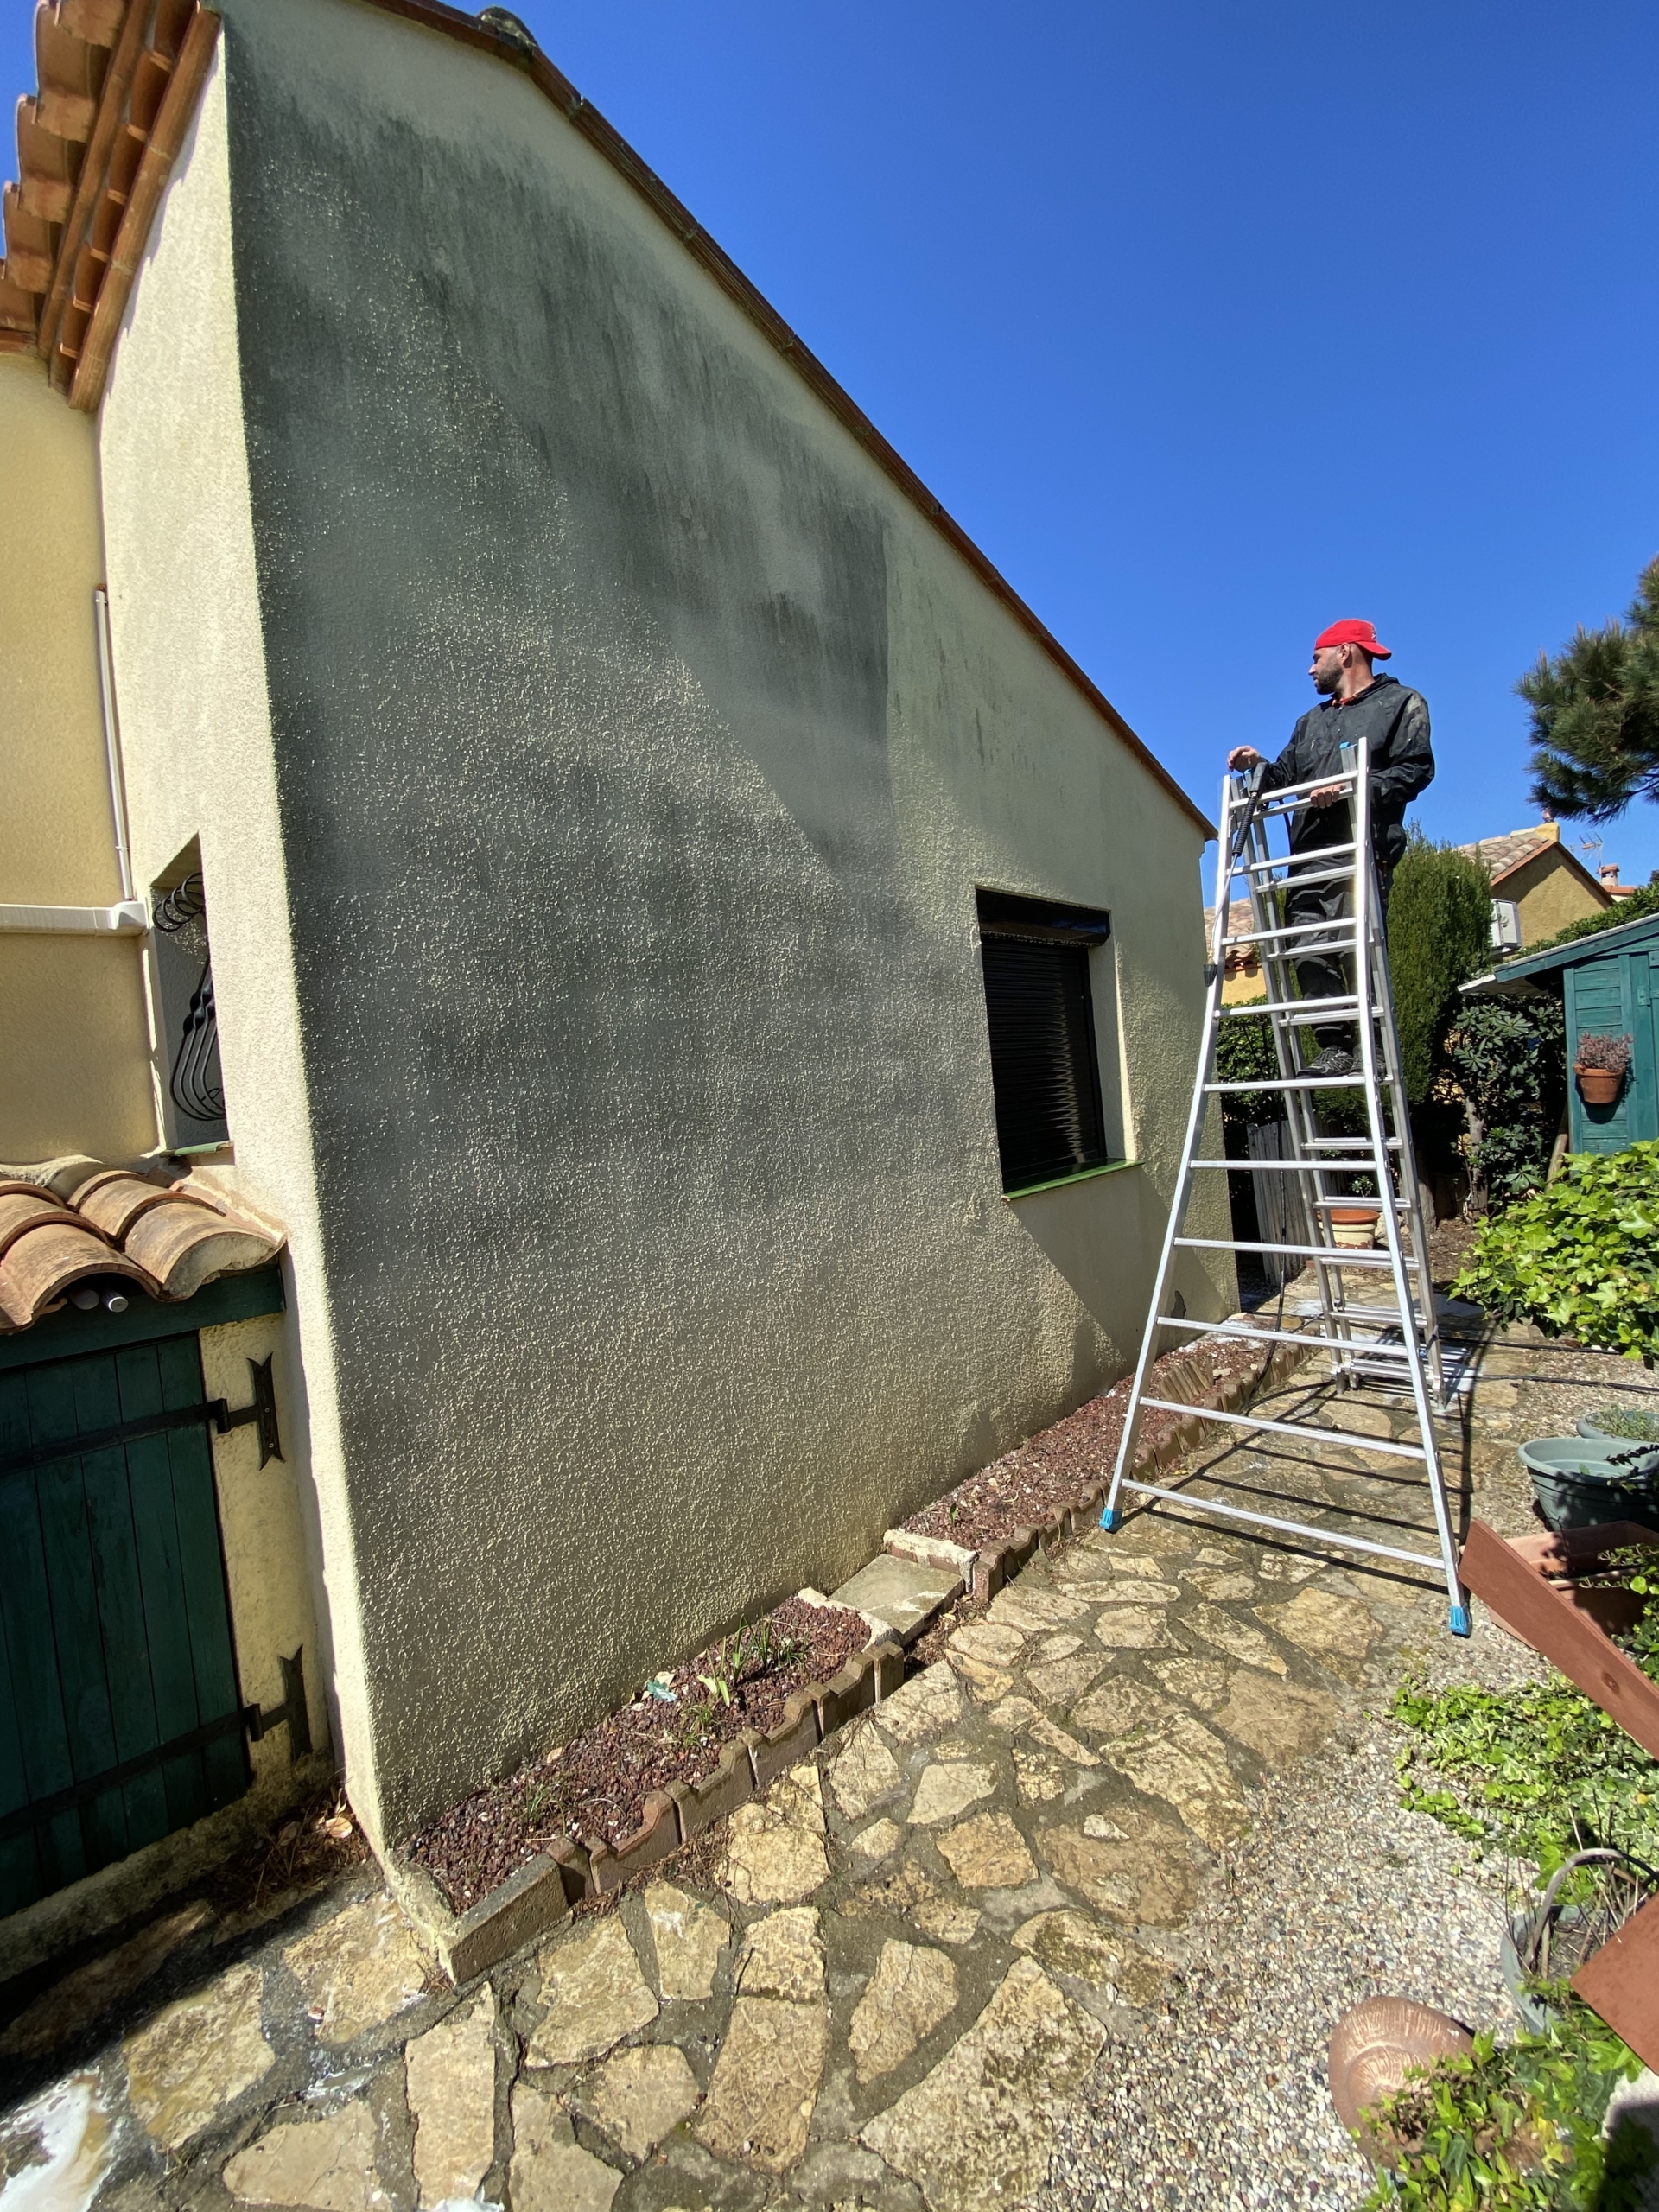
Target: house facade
<point>703,990</point>
<point>1539,885</point>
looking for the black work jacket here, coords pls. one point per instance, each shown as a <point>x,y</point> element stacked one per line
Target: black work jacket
<point>1396,719</point>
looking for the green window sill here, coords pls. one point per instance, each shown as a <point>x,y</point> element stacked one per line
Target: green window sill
<point>1076,1175</point>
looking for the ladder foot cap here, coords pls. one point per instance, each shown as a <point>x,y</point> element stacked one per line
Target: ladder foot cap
<point>1111,1520</point>
<point>1460,1621</point>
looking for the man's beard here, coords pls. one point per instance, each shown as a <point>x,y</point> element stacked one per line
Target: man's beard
<point>1326,680</point>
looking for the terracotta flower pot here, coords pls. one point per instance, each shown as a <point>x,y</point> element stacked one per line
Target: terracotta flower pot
<point>1355,1227</point>
<point>1598,1086</point>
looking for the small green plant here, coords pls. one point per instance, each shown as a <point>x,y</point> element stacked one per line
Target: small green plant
<point>1582,1258</point>
<point>1637,1422</point>
<point>1515,2128</point>
<point>741,1658</point>
<point>1537,1772</point>
<point>1244,1053</point>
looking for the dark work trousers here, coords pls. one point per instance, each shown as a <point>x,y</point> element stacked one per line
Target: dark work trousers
<point>1322,974</point>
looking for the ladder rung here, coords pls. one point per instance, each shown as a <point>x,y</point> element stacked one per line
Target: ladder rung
<point>1356,1081</point>
<point>1335,1252</point>
<point>1344,1438</point>
<point>1307,1009</point>
<point>1400,1206</point>
<point>1311,876</point>
<point>1345,1144</point>
<point>1299,928</point>
<point>1285,1167</point>
<point>1291,1527</point>
<point>1282,798</point>
<point>1289,1337</point>
<point>1289,860</point>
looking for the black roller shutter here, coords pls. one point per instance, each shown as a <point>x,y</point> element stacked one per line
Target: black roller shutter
<point>1044,1067</point>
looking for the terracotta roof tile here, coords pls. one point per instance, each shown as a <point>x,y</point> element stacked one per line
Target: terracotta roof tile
<point>168,1238</point>
<point>1498,855</point>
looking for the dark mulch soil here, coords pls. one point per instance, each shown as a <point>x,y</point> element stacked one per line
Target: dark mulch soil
<point>1449,1244</point>
<point>594,1787</point>
<point>1050,1469</point>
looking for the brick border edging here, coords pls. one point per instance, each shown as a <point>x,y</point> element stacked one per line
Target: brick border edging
<point>540,1894</point>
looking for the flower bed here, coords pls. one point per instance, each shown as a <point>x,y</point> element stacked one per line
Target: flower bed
<point>1055,1468</point>
<point>595,1789</point>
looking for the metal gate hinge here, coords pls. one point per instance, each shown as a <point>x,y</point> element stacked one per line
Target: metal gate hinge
<point>261,1413</point>
<point>292,1711</point>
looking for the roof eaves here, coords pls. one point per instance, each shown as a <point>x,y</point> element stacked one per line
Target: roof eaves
<point>1592,946</point>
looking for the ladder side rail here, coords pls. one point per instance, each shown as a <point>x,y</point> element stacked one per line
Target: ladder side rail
<point>1265,911</point>
<point>1191,1146</point>
<point>1367,972</point>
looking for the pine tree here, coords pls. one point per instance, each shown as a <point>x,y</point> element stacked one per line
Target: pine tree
<point>1595,714</point>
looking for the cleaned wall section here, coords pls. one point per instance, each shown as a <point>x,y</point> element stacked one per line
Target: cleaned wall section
<point>74,1076</point>
<point>636,751</point>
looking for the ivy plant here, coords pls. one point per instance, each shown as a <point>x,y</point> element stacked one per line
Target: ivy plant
<point>1582,1258</point>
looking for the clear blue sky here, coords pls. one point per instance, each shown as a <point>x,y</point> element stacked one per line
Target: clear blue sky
<point>1211,324</point>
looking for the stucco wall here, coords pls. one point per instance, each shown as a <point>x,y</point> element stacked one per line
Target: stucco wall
<point>636,751</point>
<point>197,751</point>
<point>1550,892</point>
<point>74,1075</point>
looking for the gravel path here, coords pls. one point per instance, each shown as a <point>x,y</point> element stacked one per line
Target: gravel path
<point>1335,1893</point>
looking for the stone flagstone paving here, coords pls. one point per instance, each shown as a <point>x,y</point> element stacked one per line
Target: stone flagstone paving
<point>896,1984</point>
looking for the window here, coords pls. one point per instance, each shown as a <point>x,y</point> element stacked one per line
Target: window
<point>1045,1063</point>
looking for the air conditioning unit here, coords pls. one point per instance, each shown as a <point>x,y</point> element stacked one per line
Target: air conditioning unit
<point>1506,925</point>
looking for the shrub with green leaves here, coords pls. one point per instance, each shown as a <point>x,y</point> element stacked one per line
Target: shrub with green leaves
<point>1439,935</point>
<point>1506,1065</point>
<point>1244,1053</point>
<point>1582,1258</point>
<point>1515,2128</point>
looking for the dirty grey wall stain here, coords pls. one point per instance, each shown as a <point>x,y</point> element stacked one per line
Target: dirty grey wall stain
<point>628,1059</point>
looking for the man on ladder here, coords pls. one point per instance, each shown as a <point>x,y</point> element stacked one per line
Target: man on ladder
<point>1355,702</point>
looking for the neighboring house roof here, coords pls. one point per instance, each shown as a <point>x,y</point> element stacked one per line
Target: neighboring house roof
<point>1238,922</point>
<point>167,1238</point>
<point>119,84</point>
<point>1503,857</point>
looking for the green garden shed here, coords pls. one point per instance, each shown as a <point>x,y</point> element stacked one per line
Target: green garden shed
<point>1608,983</point>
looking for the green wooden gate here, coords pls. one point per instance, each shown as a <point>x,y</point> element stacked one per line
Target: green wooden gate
<point>119,1715</point>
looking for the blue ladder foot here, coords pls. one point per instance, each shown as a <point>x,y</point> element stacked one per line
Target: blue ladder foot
<point>1111,1520</point>
<point>1460,1621</point>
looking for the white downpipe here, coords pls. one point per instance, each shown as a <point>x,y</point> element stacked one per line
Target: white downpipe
<point>111,738</point>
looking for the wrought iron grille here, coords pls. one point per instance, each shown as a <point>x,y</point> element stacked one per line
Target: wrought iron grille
<point>194,1082</point>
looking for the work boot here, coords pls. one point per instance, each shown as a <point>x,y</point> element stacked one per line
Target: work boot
<point>1333,1060</point>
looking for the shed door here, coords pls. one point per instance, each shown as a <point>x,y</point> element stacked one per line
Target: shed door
<point>119,1715</point>
<point>1598,1004</point>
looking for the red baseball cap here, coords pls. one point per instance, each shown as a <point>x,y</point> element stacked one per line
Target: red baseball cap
<point>1363,634</point>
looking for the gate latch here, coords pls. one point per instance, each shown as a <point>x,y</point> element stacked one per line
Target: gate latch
<point>261,1413</point>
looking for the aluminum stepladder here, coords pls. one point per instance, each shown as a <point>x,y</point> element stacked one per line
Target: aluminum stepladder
<point>1396,1347</point>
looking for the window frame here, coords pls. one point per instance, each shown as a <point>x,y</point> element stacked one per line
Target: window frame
<point>1012,918</point>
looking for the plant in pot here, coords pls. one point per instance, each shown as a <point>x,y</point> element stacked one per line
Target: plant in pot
<point>1601,1065</point>
<point>1354,1219</point>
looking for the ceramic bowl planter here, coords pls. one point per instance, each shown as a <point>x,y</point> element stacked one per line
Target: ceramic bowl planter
<point>1586,1482</point>
<point>1354,1227</point>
